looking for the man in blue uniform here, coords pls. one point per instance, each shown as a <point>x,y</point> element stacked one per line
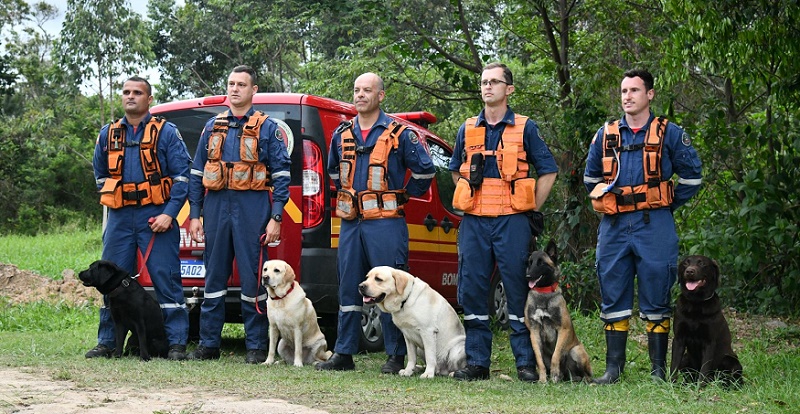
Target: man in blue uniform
<point>238,151</point>
<point>368,160</point>
<point>143,208</point>
<point>500,203</point>
<point>628,174</point>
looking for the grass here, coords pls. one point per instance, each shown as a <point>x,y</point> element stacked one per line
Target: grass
<point>52,338</point>
<point>68,247</point>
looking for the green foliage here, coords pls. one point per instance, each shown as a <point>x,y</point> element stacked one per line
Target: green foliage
<point>754,237</point>
<point>43,316</point>
<point>100,41</point>
<point>45,139</point>
<point>69,246</point>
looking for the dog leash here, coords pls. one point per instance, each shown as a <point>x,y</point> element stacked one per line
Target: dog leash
<point>262,242</point>
<point>149,248</point>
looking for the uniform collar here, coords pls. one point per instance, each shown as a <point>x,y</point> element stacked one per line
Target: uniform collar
<point>624,122</point>
<point>145,120</point>
<point>383,121</point>
<point>508,118</point>
<point>246,116</point>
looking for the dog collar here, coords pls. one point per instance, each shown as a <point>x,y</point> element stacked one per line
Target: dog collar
<point>403,303</point>
<point>546,289</point>
<point>122,286</point>
<point>284,295</point>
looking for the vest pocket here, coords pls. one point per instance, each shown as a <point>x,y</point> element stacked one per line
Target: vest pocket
<point>260,179</point>
<point>523,194</point>
<point>346,206</point>
<point>240,176</point>
<point>214,175</point>
<point>159,193</point>
<point>370,205</point>
<point>463,197</point>
<point>111,193</point>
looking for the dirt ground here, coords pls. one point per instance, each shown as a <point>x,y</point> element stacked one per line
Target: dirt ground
<point>27,391</point>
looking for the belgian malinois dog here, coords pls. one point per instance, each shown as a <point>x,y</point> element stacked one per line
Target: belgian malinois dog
<point>559,352</point>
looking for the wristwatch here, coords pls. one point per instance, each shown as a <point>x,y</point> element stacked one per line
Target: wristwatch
<point>277,217</point>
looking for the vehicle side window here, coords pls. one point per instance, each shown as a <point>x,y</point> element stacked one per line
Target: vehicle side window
<point>444,180</point>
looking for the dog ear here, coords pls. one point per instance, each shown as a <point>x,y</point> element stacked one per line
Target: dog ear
<point>552,250</point>
<point>714,271</point>
<point>681,269</point>
<point>289,271</point>
<point>401,280</point>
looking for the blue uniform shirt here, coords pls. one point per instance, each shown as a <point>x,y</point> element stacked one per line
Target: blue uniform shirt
<point>172,155</point>
<point>413,155</point>
<point>537,151</point>
<point>271,152</point>
<point>678,158</point>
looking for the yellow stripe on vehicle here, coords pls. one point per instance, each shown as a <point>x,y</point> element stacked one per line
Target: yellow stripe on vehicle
<point>420,232</point>
<point>293,212</point>
<point>183,214</point>
<point>415,246</point>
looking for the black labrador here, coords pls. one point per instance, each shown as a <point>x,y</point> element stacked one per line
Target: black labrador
<point>701,347</point>
<point>131,308</point>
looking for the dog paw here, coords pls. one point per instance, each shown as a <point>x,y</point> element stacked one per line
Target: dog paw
<point>555,379</point>
<point>298,364</point>
<point>426,374</point>
<point>405,372</point>
<point>269,361</point>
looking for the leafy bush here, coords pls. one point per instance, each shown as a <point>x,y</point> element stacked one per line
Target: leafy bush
<point>752,227</point>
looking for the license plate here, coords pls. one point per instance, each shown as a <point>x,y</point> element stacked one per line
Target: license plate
<point>193,269</point>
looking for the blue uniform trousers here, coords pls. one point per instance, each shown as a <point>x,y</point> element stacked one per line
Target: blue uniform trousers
<point>628,247</point>
<point>233,227</point>
<point>127,232</point>
<point>482,243</point>
<point>362,246</point>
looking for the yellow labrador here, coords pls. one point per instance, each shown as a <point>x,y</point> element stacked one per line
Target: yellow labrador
<point>291,318</point>
<point>428,323</point>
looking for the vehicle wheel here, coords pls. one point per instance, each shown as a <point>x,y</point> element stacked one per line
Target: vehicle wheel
<point>371,330</point>
<point>498,311</point>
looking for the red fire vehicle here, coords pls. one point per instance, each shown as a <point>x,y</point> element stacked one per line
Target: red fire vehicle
<point>310,231</point>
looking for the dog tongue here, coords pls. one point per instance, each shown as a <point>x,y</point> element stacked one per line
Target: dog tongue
<point>531,284</point>
<point>367,299</point>
<point>693,285</point>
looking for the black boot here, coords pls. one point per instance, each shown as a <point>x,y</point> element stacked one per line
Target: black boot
<point>657,347</point>
<point>615,357</point>
<point>337,362</point>
<point>393,365</point>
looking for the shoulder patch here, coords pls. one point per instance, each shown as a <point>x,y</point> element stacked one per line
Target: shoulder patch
<point>178,134</point>
<point>686,140</point>
<point>413,137</point>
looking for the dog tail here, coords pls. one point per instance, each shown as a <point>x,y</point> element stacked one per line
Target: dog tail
<point>456,354</point>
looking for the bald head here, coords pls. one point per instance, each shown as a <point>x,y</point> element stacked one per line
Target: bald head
<point>368,94</point>
<point>372,79</point>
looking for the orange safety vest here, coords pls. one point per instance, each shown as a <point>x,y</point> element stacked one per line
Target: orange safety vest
<point>377,201</point>
<point>155,188</point>
<point>514,192</point>
<point>655,192</point>
<point>247,174</point>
